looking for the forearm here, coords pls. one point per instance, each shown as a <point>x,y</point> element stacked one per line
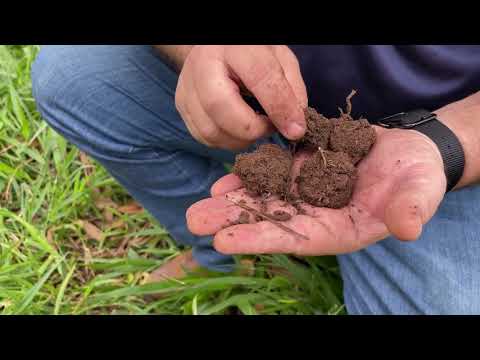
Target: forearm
<point>174,54</point>
<point>463,118</point>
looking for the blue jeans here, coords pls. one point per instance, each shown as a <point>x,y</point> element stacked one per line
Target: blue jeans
<point>116,103</point>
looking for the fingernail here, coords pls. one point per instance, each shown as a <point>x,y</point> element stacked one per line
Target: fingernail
<point>295,131</point>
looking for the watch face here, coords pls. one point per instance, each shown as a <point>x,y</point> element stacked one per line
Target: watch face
<point>407,120</point>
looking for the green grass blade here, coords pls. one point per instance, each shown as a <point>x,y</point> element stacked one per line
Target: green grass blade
<point>34,233</point>
<point>61,291</point>
<point>7,171</point>
<point>30,294</point>
<point>19,112</point>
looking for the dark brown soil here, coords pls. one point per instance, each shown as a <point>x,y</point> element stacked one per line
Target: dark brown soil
<point>353,137</point>
<point>318,130</point>
<point>280,215</point>
<point>327,179</point>
<point>265,171</point>
<point>243,218</point>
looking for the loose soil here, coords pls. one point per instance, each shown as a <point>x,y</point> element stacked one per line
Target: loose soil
<point>243,218</point>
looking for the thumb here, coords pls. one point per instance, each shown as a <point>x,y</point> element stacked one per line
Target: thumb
<point>413,202</point>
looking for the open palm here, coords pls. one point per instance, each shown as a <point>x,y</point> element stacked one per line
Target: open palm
<point>400,185</point>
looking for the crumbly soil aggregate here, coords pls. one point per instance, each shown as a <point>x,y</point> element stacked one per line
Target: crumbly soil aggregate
<point>265,171</point>
<point>354,138</point>
<point>318,129</point>
<point>326,179</point>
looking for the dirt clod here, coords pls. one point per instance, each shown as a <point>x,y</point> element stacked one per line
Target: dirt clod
<point>327,179</point>
<point>353,137</point>
<point>318,130</point>
<point>265,171</point>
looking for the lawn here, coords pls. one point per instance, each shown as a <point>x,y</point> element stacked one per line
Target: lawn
<point>72,241</point>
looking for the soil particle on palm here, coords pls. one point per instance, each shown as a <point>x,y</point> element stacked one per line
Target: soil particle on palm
<point>327,179</point>
<point>298,206</point>
<point>353,137</point>
<point>351,219</point>
<point>243,218</point>
<point>318,129</point>
<point>280,215</point>
<point>302,211</point>
<point>265,171</point>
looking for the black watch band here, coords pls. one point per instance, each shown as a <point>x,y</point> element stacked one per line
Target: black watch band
<point>447,142</point>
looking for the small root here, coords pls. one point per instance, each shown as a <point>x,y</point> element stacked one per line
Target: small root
<point>349,101</point>
<point>323,157</point>
<point>266,196</point>
<point>270,219</point>
<point>293,150</point>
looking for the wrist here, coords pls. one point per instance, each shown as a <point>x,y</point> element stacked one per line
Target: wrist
<point>432,148</point>
<point>443,138</point>
<point>456,119</point>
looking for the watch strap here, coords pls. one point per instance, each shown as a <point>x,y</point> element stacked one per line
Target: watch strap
<point>450,148</point>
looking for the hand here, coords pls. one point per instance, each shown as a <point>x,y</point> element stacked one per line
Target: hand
<point>209,99</point>
<point>401,183</point>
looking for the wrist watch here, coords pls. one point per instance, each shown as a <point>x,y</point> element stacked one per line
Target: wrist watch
<point>428,124</point>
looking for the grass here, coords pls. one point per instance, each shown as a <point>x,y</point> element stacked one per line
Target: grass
<point>72,243</point>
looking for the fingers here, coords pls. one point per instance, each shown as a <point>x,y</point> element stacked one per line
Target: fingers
<point>203,128</point>
<point>209,216</point>
<point>259,238</point>
<point>263,74</point>
<point>413,202</point>
<point>329,231</point>
<point>220,99</point>
<point>267,238</point>
<point>226,184</point>
<point>291,67</point>
<point>405,222</point>
<point>209,99</point>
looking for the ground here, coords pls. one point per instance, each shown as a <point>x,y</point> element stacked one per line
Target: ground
<point>72,241</point>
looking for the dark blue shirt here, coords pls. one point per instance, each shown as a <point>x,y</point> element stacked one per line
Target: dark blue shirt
<point>388,78</point>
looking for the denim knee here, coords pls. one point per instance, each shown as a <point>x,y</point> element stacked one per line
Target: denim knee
<point>120,98</point>
<point>437,274</point>
<point>117,104</point>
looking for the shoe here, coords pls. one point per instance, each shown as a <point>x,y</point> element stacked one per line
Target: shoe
<point>184,264</point>
<point>176,268</point>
